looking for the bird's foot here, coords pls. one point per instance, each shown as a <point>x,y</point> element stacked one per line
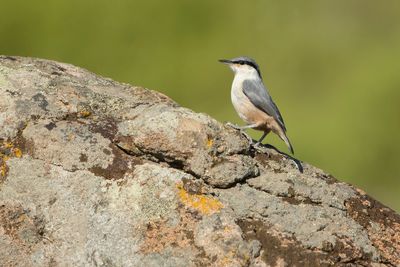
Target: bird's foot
<point>241,129</point>
<point>259,147</point>
<point>232,125</point>
<point>251,141</point>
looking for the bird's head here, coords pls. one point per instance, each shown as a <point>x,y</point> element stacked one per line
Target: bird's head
<point>242,65</point>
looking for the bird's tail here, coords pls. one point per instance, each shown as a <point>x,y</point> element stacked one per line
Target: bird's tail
<point>284,137</point>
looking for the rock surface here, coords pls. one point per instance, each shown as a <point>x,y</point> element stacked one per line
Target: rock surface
<point>98,173</point>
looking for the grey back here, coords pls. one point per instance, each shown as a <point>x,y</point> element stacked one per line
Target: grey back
<point>258,95</point>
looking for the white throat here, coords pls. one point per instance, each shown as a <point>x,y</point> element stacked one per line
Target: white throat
<point>244,72</point>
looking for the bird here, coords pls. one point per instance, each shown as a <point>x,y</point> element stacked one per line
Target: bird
<point>252,101</point>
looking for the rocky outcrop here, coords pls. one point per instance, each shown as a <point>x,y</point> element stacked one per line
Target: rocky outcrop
<point>98,173</point>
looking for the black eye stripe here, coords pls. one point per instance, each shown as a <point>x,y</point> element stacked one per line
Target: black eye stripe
<point>242,62</point>
<point>254,66</point>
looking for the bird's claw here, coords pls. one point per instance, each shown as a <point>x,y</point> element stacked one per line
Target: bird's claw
<point>260,148</point>
<point>251,142</point>
<point>234,126</point>
<point>237,127</point>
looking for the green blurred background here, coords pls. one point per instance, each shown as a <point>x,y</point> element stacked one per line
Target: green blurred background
<point>333,67</point>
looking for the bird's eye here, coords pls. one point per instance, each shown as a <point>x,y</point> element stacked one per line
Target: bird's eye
<point>241,62</point>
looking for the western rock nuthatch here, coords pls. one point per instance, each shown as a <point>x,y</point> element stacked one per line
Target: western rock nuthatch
<point>252,100</point>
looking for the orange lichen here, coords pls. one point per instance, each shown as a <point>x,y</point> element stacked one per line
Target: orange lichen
<point>7,145</point>
<point>210,143</point>
<point>204,204</point>
<point>3,169</point>
<point>7,151</point>
<point>17,152</point>
<point>85,113</point>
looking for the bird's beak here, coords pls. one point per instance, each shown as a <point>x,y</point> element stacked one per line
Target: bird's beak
<point>225,61</point>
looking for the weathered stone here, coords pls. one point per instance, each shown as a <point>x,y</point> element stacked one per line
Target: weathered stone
<point>98,173</point>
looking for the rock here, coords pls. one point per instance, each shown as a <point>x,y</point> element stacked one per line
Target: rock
<point>98,173</point>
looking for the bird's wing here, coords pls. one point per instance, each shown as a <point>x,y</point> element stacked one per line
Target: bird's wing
<point>259,96</point>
